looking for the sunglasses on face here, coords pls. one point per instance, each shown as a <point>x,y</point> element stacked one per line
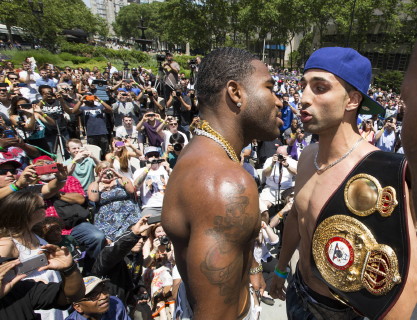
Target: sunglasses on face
<point>173,124</point>
<point>5,171</point>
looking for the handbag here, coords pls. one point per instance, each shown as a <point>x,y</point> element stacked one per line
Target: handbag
<point>71,213</point>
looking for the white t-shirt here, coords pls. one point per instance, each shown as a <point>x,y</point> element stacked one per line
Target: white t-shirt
<point>287,180</point>
<point>153,195</point>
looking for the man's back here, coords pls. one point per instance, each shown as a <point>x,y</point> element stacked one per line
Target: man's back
<point>213,219</point>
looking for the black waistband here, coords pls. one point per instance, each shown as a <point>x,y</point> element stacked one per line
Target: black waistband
<point>329,302</point>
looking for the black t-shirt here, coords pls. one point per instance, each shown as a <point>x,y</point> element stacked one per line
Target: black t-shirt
<point>27,296</point>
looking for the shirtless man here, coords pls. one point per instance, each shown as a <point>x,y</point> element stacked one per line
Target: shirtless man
<point>334,87</point>
<point>211,208</point>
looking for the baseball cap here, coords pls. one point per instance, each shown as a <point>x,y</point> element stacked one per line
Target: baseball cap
<point>10,159</point>
<point>352,67</point>
<point>91,282</point>
<point>44,158</point>
<point>151,150</point>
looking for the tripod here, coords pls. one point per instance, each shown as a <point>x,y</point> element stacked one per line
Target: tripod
<point>59,145</point>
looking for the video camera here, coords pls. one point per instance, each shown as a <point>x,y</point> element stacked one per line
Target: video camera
<point>192,63</point>
<point>160,57</point>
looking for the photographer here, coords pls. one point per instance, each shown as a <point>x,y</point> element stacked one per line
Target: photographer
<point>152,181</point>
<point>152,101</point>
<point>5,99</point>
<point>171,124</point>
<point>54,106</point>
<point>149,124</point>
<point>71,98</point>
<point>181,104</point>
<point>171,69</point>
<point>94,111</point>
<point>176,144</point>
<point>125,106</point>
<point>280,171</point>
<point>386,138</point>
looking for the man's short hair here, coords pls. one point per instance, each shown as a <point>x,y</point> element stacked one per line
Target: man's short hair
<point>43,86</point>
<point>219,67</point>
<point>74,140</point>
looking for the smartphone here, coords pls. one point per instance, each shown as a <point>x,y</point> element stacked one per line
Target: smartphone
<point>3,85</point>
<point>46,169</point>
<point>119,144</point>
<point>153,220</point>
<point>26,106</point>
<point>31,264</point>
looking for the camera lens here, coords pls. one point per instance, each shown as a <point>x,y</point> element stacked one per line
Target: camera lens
<point>177,147</point>
<point>164,240</point>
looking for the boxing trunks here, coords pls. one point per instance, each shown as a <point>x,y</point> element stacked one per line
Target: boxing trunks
<point>360,246</point>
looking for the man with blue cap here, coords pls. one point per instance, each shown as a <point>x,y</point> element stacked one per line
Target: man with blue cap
<point>351,218</point>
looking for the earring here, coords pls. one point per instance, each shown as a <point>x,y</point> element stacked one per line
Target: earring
<point>239,104</point>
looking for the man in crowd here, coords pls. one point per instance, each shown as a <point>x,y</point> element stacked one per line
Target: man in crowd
<point>128,131</point>
<point>94,111</point>
<point>287,112</point>
<point>28,76</point>
<point>171,70</point>
<point>386,138</point>
<point>97,303</point>
<point>172,128</point>
<point>5,99</point>
<point>330,222</point>
<point>213,218</point>
<point>152,181</point>
<point>280,171</point>
<point>44,79</point>
<point>181,104</point>
<point>125,106</point>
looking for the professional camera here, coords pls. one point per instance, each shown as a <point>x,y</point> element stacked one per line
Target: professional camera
<point>281,157</point>
<point>109,175</point>
<point>178,93</point>
<point>164,240</point>
<point>126,64</point>
<point>160,57</point>
<point>156,161</point>
<point>192,63</point>
<point>177,147</point>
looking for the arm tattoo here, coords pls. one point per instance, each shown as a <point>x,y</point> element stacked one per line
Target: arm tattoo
<point>222,266</point>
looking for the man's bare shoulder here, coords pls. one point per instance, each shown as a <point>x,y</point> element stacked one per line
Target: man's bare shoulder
<point>204,186</point>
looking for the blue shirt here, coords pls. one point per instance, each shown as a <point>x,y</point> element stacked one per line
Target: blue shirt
<point>116,311</point>
<point>286,117</point>
<point>48,82</point>
<point>134,90</point>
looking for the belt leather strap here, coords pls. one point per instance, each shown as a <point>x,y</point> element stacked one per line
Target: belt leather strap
<point>387,226</point>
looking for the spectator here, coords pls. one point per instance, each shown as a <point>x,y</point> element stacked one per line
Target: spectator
<point>54,105</point>
<point>97,303</point>
<point>152,181</point>
<point>5,99</point>
<point>95,121</point>
<point>19,212</point>
<point>44,79</point>
<point>386,138</point>
<point>291,133</point>
<point>128,131</point>
<point>181,105</point>
<point>114,199</point>
<point>176,144</point>
<point>367,131</point>
<point>18,299</point>
<point>125,106</point>
<point>121,262</point>
<point>120,155</point>
<point>30,122</point>
<point>287,113</point>
<point>172,126</point>
<point>71,98</point>
<point>149,124</point>
<point>153,102</point>
<point>280,171</point>
<point>81,163</point>
<point>298,145</point>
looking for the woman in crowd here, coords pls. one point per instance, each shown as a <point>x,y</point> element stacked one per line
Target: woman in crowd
<point>114,198</point>
<point>30,122</point>
<point>158,275</point>
<point>120,155</point>
<point>367,131</point>
<point>19,212</point>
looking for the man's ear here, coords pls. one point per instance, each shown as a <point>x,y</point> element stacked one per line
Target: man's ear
<point>355,99</point>
<point>77,306</point>
<point>234,91</point>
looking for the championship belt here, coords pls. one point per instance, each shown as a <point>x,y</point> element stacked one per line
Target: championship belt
<point>360,246</point>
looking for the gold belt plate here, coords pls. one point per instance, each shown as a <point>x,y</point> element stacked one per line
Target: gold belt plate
<point>349,258</point>
<point>364,195</point>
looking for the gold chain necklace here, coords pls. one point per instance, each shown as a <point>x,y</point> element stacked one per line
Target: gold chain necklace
<point>204,129</point>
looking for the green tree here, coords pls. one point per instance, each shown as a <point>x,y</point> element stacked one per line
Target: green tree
<point>8,14</point>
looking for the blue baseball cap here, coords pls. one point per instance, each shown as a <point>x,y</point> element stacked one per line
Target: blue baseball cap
<point>352,67</point>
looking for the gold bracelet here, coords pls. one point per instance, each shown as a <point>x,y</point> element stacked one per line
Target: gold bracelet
<point>256,270</point>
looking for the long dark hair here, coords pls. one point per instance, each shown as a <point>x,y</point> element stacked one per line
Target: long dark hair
<point>16,212</point>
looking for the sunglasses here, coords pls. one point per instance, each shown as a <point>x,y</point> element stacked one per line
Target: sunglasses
<point>173,124</point>
<point>5,171</point>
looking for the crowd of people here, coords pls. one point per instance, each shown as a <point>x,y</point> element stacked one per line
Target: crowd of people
<point>119,135</point>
